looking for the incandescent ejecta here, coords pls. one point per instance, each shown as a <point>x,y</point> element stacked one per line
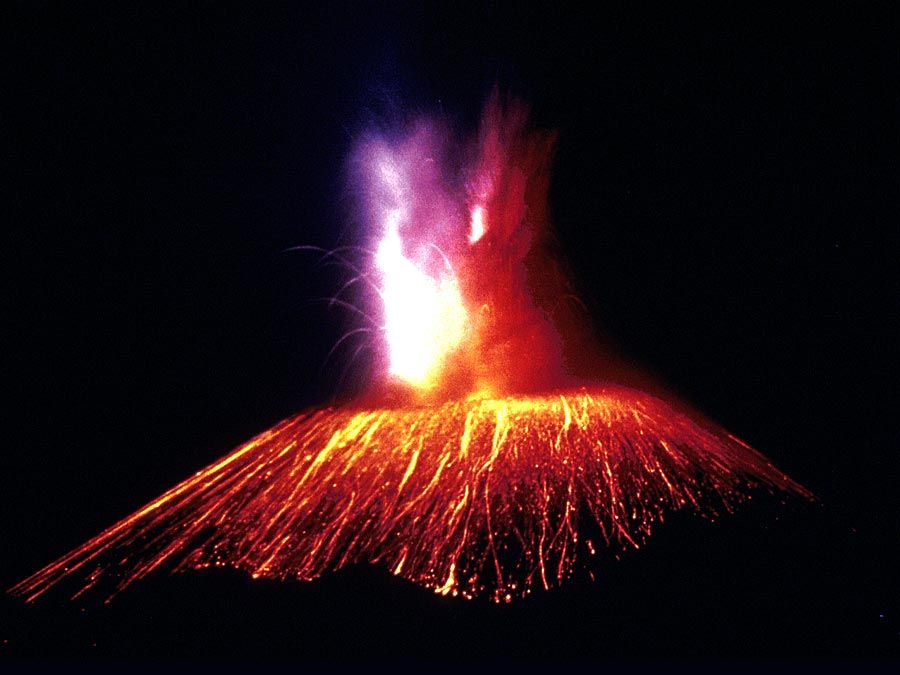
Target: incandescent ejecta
<point>492,454</point>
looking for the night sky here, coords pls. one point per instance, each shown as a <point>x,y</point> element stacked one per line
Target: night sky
<point>725,194</point>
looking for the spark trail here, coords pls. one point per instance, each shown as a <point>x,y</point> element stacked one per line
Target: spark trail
<point>474,465</point>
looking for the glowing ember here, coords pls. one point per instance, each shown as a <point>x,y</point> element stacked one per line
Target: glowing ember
<point>468,482</point>
<point>493,496</point>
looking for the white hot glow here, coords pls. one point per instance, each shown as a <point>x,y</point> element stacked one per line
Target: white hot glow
<point>477,231</point>
<point>424,317</point>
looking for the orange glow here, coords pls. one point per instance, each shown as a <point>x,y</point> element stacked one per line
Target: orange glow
<point>491,497</point>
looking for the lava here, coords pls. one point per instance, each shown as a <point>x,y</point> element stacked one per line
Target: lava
<point>480,462</point>
<point>471,497</point>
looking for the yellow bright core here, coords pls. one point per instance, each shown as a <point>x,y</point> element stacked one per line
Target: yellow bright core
<point>424,317</point>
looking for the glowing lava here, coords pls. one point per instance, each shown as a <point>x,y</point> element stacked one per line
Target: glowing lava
<point>491,497</point>
<point>475,466</point>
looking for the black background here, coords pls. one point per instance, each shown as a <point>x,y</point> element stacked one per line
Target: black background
<point>725,192</point>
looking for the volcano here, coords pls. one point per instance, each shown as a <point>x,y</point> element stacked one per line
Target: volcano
<point>492,452</point>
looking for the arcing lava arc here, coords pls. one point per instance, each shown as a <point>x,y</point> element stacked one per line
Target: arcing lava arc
<point>490,458</point>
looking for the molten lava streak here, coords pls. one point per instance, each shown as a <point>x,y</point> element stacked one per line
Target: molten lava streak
<point>469,497</point>
<point>454,473</point>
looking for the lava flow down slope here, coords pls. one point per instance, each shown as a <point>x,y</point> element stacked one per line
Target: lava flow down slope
<point>492,453</point>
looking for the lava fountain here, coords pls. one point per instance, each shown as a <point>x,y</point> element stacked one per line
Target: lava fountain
<point>489,458</point>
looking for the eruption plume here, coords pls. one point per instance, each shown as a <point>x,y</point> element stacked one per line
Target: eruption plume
<point>489,458</point>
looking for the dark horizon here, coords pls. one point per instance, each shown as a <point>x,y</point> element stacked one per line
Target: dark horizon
<point>724,193</point>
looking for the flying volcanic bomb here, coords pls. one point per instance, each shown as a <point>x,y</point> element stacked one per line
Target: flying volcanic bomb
<point>487,457</point>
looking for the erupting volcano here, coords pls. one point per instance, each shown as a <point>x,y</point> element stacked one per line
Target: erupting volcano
<point>492,454</point>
